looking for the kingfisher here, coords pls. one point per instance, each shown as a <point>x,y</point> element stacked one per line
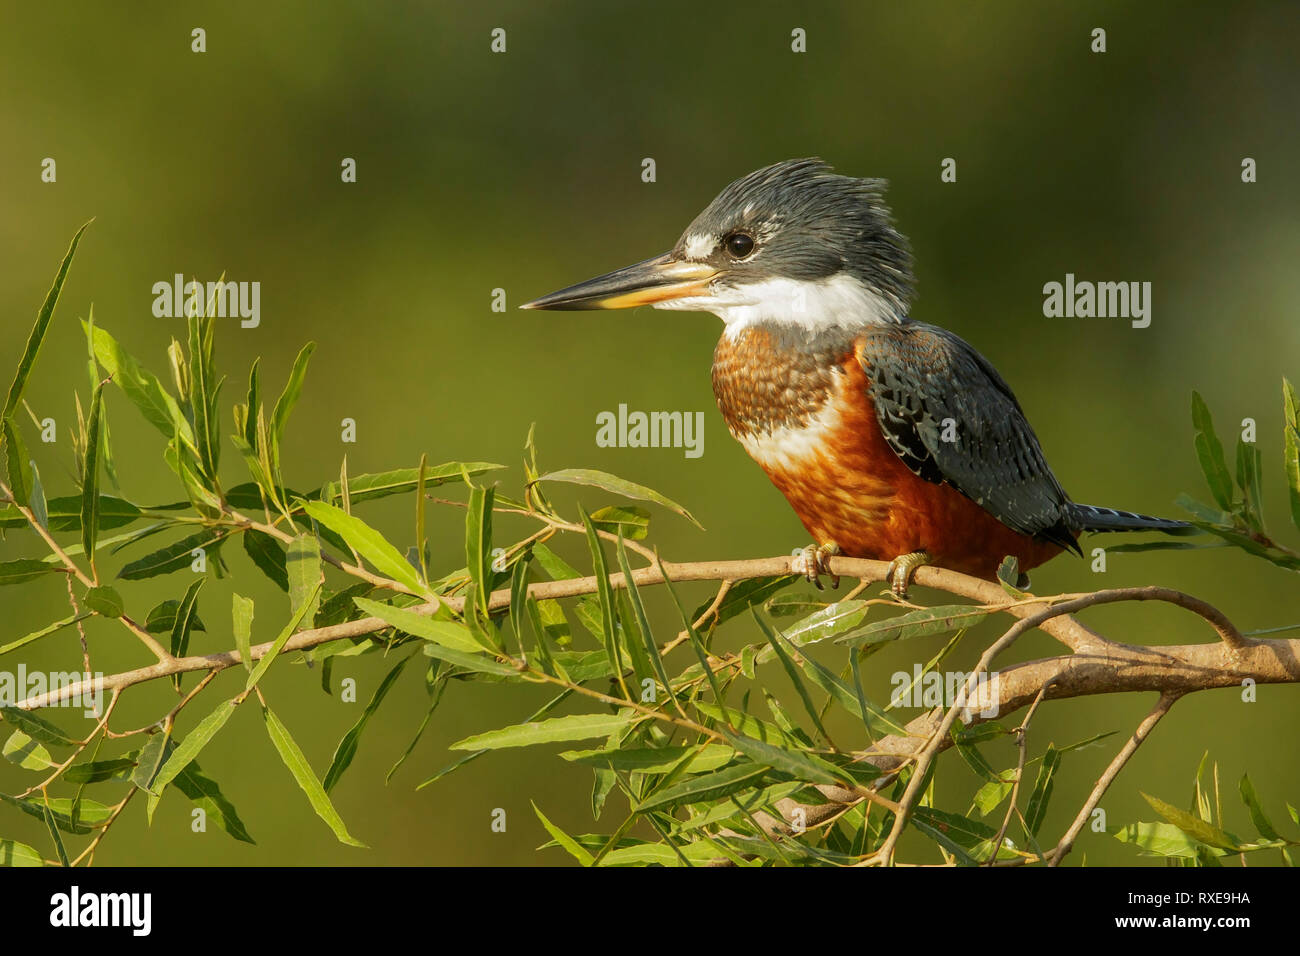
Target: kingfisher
<point>892,439</point>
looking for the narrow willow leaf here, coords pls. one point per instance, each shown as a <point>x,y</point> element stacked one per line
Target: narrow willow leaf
<point>368,542</point>
<point>478,543</point>
<point>297,763</point>
<point>421,546</point>
<point>920,623</point>
<point>438,686</point>
<point>37,335</point>
<point>24,569</point>
<point>64,513</point>
<point>241,613</point>
<point>447,633</point>
<point>287,400</point>
<point>792,672</point>
<point>268,554</point>
<point>801,766</point>
<point>141,387</point>
<point>184,622</point>
<point>13,853</point>
<point>90,477</point>
<point>1291,451</point>
<point>708,786</point>
<point>471,662</point>
<point>204,793</point>
<point>152,756</point>
<point>53,829</point>
<point>1198,829</point>
<point>631,522</point>
<point>92,812</point>
<point>97,771</point>
<point>1249,466</point>
<point>277,645</point>
<point>347,748</point>
<point>401,480</point>
<point>171,558</point>
<point>43,632</point>
<point>189,748</point>
<point>619,486</point>
<point>1042,793</point>
<point>701,652</point>
<point>1210,453</point>
<point>655,760</point>
<point>26,753</point>
<point>253,407</point>
<point>162,618</point>
<point>1163,839</point>
<point>1257,815</point>
<point>608,609</point>
<point>303,567</point>
<point>17,461</point>
<point>36,726</point>
<point>828,622</point>
<point>555,730</point>
<point>563,839</point>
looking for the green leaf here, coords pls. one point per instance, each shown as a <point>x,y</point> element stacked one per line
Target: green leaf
<point>557,729</point>
<point>563,839</point>
<point>92,812</point>
<point>26,753</point>
<point>608,610</point>
<point>619,486</point>
<point>59,850</point>
<point>13,853</point>
<point>1042,793</point>
<point>303,567</point>
<point>288,399</point>
<point>1291,436</point>
<point>268,554</point>
<point>402,480</point>
<point>36,726</point>
<point>347,748</point>
<point>90,478</point>
<point>1257,815</point>
<point>18,462</point>
<point>278,644</point>
<point>105,601</point>
<point>189,748</point>
<point>185,613</point>
<point>368,542</point>
<point>708,786</point>
<point>99,770</point>
<point>631,522</point>
<point>24,569</point>
<point>162,618</point>
<point>447,633</point>
<point>297,763</point>
<point>204,792</point>
<point>1249,466</point>
<point>171,558</point>
<point>1198,829</point>
<point>152,756</point>
<point>655,760</point>
<point>471,662</point>
<point>242,622</point>
<point>1163,839</point>
<point>919,623</point>
<point>478,543</point>
<point>801,766</point>
<point>38,331</point>
<point>829,621</point>
<point>1210,453</point>
<point>791,671</point>
<point>43,632</point>
<point>141,387</point>
<point>64,513</point>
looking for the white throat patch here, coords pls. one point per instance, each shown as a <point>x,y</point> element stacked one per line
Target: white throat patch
<point>814,305</point>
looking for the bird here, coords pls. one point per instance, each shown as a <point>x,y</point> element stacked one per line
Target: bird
<point>891,438</point>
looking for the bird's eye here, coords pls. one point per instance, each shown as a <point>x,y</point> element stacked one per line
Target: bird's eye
<point>739,245</point>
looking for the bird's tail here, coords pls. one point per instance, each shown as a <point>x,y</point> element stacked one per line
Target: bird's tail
<point>1093,518</point>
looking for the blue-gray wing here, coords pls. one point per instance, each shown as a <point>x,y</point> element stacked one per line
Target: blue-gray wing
<point>951,418</point>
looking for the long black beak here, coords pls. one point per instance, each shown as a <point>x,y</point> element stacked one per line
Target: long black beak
<point>656,280</point>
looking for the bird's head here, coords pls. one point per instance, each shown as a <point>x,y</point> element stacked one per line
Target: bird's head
<point>789,244</point>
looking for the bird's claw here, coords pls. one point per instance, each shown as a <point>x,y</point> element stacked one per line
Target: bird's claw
<point>814,561</point>
<point>901,570</point>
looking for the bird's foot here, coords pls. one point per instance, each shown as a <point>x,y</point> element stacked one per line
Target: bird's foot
<point>901,570</point>
<point>813,561</point>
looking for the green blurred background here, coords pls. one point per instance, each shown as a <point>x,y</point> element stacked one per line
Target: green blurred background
<point>522,171</point>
